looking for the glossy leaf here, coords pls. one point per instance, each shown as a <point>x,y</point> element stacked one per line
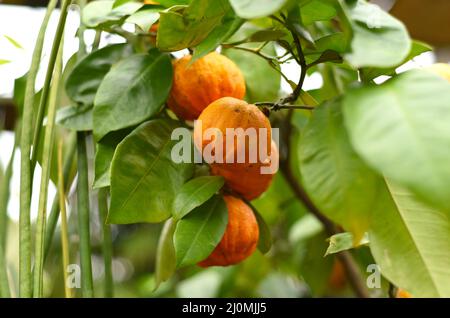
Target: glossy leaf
<point>411,243</point>
<point>417,48</point>
<point>217,36</point>
<point>200,231</point>
<point>133,91</point>
<point>165,254</point>
<point>338,181</point>
<point>252,9</point>
<point>77,118</point>
<point>187,26</point>
<point>401,129</point>
<point>265,237</point>
<point>144,18</point>
<point>317,10</point>
<point>144,178</point>
<point>104,155</point>
<point>379,39</point>
<point>83,82</point>
<point>194,193</point>
<point>343,242</point>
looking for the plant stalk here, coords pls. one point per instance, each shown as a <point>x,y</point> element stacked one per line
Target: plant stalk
<point>48,78</point>
<point>52,220</point>
<point>87,289</point>
<point>45,176</point>
<point>25,282</point>
<point>64,227</point>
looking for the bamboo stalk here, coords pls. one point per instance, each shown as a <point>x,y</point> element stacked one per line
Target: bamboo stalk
<point>25,167</point>
<point>45,177</point>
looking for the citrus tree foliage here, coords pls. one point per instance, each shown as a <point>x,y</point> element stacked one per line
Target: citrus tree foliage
<point>372,158</point>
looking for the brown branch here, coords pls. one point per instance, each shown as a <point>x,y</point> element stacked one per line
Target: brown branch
<point>277,106</point>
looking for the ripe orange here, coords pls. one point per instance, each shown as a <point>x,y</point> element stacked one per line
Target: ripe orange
<point>248,180</point>
<point>240,238</point>
<point>197,85</point>
<point>228,116</point>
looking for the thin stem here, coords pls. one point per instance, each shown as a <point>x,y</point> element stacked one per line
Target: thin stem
<point>276,106</point>
<point>48,79</point>
<point>97,39</point>
<point>107,242</point>
<point>64,227</point>
<point>54,213</point>
<point>87,289</point>
<point>25,167</point>
<point>45,176</point>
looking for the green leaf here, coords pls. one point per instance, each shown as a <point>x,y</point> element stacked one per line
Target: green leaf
<point>144,18</point>
<point>338,181</point>
<point>379,39</point>
<point>252,9</point>
<point>411,243</point>
<point>83,82</point>
<point>194,193</point>
<point>317,10</point>
<point>171,3</point>
<point>417,48</point>
<point>343,242</point>
<point>144,178</point>
<point>13,42</point>
<point>262,81</point>
<point>165,254</point>
<point>401,128</point>
<point>186,26</point>
<point>77,118</point>
<point>217,36</point>
<point>2,61</point>
<point>198,234</point>
<point>100,12</point>
<point>265,237</point>
<point>104,155</point>
<point>133,91</point>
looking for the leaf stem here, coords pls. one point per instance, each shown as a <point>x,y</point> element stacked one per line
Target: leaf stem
<point>25,166</point>
<point>107,242</point>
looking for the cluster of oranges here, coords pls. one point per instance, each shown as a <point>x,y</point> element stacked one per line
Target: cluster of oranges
<point>211,90</point>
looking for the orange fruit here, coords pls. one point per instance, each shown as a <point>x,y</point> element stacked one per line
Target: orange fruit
<point>231,118</point>
<point>248,180</point>
<point>198,84</point>
<point>240,238</point>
